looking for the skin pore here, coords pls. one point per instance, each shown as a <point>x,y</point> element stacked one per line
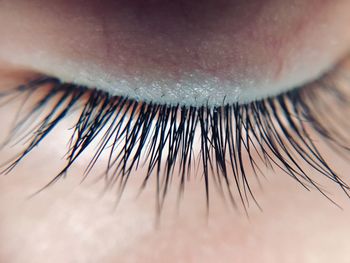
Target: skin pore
<point>73,222</point>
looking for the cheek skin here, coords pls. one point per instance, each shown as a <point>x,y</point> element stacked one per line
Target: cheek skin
<point>244,49</point>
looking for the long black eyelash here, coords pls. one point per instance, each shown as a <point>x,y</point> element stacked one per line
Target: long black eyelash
<point>274,130</point>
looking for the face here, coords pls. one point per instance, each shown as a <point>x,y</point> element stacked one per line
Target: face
<point>228,59</point>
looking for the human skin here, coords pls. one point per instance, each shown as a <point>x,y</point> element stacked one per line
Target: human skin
<point>235,50</point>
<point>73,222</point>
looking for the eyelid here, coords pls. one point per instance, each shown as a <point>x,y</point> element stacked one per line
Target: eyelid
<point>192,91</point>
<point>262,66</point>
<point>188,90</point>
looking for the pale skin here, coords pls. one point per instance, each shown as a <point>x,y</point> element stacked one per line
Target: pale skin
<point>73,222</point>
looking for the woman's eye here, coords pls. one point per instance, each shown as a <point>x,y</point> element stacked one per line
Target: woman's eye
<point>170,85</point>
<point>161,106</point>
<point>192,53</point>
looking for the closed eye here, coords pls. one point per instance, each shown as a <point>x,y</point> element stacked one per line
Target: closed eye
<point>242,110</point>
<point>191,53</point>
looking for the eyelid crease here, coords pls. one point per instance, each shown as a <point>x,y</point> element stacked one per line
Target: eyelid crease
<point>274,131</point>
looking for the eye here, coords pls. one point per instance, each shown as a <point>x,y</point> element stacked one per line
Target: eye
<point>149,81</point>
<point>179,52</point>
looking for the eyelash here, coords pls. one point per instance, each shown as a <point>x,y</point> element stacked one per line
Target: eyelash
<point>276,130</point>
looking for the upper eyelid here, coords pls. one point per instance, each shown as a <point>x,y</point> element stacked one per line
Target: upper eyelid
<point>192,88</point>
